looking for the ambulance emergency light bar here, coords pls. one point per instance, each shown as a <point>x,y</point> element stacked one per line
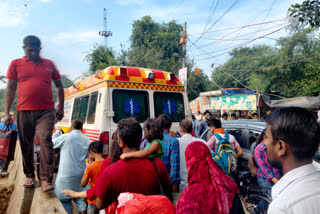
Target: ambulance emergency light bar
<point>149,74</point>
<point>171,76</point>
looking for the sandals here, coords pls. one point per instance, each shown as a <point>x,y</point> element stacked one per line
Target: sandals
<point>4,174</point>
<point>30,183</point>
<point>46,187</point>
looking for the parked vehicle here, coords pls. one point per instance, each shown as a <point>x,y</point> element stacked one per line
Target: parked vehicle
<point>246,133</point>
<point>115,93</point>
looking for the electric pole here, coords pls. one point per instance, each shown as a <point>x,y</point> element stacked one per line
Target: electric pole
<point>184,45</point>
<point>105,33</point>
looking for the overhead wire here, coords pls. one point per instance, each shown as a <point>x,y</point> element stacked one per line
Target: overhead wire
<point>243,26</point>
<point>235,38</point>
<point>240,45</point>
<point>270,67</point>
<point>234,3</point>
<point>175,8</point>
<point>211,13</point>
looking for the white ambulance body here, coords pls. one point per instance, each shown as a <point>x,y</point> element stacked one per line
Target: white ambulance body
<point>115,93</point>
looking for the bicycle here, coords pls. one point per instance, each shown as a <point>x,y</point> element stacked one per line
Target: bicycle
<point>250,192</point>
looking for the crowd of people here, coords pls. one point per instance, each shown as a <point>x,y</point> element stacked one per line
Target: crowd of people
<point>150,168</point>
<point>194,180</point>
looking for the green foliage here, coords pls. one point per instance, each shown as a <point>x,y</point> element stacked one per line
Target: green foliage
<point>155,45</point>
<point>283,79</point>
<point>100,58</point>
<point>309,86</point>
<point>197,84</point>
<point>307,13</point>
<point>66,82</point>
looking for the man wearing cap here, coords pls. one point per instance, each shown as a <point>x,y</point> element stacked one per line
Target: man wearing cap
<point>33,75</point>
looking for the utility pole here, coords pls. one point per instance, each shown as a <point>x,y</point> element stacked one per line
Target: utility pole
<point>105,33</point>
<point>184,46</point>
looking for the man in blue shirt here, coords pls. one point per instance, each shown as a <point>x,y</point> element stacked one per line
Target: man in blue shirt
<point>73,152</point>
<point>171,156</point>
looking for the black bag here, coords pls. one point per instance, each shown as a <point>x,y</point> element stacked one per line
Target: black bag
<point>8,139</point>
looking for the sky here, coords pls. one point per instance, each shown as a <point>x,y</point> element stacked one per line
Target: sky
<point>69,29</point>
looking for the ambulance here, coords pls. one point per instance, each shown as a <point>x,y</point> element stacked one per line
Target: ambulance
<point>117,92</point>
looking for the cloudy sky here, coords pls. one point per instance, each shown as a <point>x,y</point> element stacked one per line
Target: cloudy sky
<point>69,28</point>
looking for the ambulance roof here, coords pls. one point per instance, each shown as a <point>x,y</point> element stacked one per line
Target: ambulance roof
<point>133,77</point>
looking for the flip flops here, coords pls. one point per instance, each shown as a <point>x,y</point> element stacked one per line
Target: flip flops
<point>29,183</point>
<point>46,187</point>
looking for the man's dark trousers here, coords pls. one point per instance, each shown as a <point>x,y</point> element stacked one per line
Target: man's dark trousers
<point>42,121</point>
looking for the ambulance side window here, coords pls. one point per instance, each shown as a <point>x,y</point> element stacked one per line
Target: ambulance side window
<point>170,104</point>
<point>130,104</point>
<point>92,108</point>
<point>80,108</point>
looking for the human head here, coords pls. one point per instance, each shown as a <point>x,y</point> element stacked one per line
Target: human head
<point>77,125</point>
<point>214,123</point>
<point>185,126</point>
<point>130,133</point>
<point>32,47</point>
<point>233,116</point>
<point>167,122</point>
<point>115,150</point>
<point>198,112</point>
<point>225,116</point>
<point>95,147</point>
<point>261,136</point>
<point>207,115</point>
<point>255,116</point>
<point>292,136</point>
<point>153,129</point>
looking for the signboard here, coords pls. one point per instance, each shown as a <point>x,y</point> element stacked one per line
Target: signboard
<point>183,76</point>
<point>245,102</point>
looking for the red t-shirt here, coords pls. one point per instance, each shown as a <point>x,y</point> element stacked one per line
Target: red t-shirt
<point>34,82</point>
<point>132,175</point>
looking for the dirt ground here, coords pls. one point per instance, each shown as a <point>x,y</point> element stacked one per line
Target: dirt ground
<point>5,193</point>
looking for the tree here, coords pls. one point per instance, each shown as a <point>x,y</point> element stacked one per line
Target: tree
<point>66,82</point>
<point>284,79</point>
<point>307,13</point>
<point>246,58</point>
<point>196,84</point>
<point>309,86</point>
<point>100,58</point>
<point>155,45</point>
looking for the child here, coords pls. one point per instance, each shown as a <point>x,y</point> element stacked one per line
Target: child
<point>153,132</point>
<point>92,171</point>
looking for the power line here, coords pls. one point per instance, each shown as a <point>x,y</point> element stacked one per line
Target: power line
<point>244,26</point>
<point>235,38</point>
<point>234,3</point>
<point>240,45</point>
<point>247,86</point>
<point>173,67</point>
<point>271,67</point>
<point>175,8</point>
<point>212,10</point>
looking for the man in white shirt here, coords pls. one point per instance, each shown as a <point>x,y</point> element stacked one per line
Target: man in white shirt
<point>185,131</point>
<point>292,138</point>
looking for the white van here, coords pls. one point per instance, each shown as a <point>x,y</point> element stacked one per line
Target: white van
<point>115,93</point>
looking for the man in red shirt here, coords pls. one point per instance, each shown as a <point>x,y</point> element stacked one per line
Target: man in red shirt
<point>131,175</point>
<point>35,108</point>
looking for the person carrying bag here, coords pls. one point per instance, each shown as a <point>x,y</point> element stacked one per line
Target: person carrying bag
<point>8,139</point>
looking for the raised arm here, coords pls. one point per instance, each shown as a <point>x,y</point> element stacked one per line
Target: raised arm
<point>154,147</point>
